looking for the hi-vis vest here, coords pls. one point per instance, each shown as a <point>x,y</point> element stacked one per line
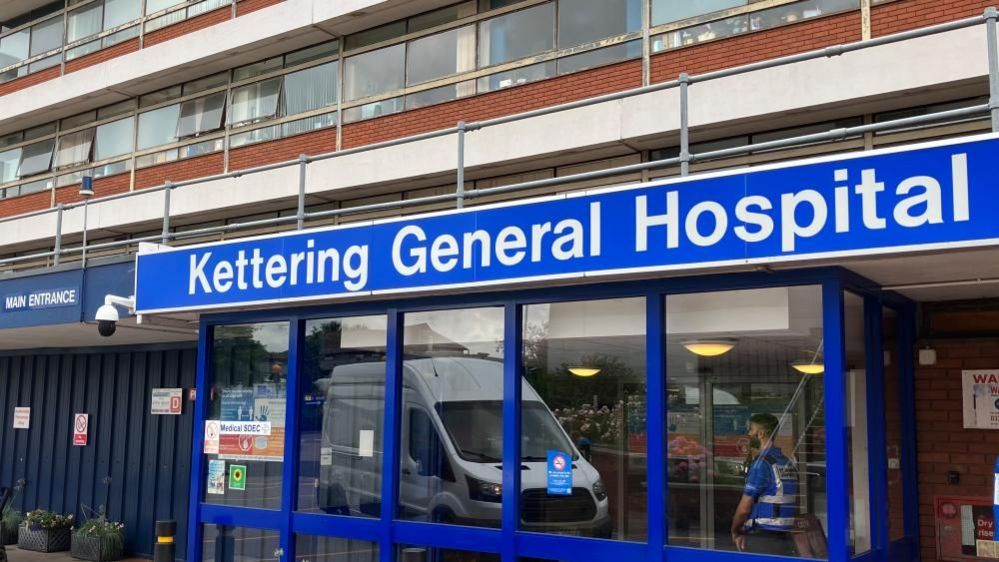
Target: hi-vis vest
<point>776,509</point>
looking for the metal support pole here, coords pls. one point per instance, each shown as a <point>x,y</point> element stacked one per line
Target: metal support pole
<point>302,163</point>
<point>461,165</point>
<point>83,251</point>
<point>56,254</point>
<point>991,15</point>
<point>684,125</point>
<point>167,188</point>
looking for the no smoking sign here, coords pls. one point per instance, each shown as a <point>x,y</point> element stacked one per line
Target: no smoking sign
<point>81,425</point>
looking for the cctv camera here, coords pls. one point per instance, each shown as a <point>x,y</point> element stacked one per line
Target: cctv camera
<point>107,320</point>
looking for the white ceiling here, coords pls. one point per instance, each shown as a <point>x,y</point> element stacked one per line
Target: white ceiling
<point>85,335</point>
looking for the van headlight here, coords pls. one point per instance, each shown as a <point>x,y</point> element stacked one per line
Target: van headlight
<point>480,490</point>
<point>599,490</point>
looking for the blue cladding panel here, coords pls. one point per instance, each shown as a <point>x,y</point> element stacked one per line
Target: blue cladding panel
<point>147,457</point>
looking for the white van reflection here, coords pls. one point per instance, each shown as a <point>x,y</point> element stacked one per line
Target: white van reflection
<point>451,449</point>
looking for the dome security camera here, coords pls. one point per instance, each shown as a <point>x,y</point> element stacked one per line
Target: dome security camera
<point>107,320</point>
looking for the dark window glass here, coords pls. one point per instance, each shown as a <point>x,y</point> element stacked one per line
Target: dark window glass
<point>238,544</point>
<point>893,423</point>
<point>46,36</point>
<point>342,407</point>
<point>333,549</point>
<point>517,35</point>
<point>441,55</point>
<point>599,57</point>
<point>667,11</point>
<point>375,72</point>
<point>584,416</point>
<point>585,21</point>
<point>855,380</point>
<point>244,432</point>
<point>407,553</point>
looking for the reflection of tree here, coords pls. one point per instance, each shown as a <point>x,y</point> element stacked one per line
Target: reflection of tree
<point>239,359</point>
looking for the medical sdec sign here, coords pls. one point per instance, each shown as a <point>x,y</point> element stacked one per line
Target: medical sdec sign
<point>913,198</point>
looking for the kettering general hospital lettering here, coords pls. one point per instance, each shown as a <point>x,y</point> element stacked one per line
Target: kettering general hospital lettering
<point>637,227</point>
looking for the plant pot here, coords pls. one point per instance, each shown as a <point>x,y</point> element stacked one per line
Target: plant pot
<point>94,548</point>
<point>43,540</point>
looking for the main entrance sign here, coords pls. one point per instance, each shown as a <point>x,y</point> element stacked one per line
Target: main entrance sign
<point>918,197</point>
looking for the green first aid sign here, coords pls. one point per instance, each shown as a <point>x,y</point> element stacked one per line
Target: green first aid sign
<point>237,477</point>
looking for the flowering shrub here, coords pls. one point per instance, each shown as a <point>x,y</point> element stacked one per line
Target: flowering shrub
<point>40,519</point>
<point>100,528</point>
<point>604,425</point>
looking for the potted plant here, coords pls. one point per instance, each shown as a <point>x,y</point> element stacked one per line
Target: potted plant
<point>99,539</point>
<point>44,531</point>
<point>11,518</point>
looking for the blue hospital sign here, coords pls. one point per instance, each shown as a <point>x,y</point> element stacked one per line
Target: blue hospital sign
<point>919,197</point>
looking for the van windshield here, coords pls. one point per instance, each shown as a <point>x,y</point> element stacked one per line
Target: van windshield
<point>476,429</point>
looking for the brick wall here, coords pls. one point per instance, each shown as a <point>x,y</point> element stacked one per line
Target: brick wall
<point>180,170</point>
<point>316,142</point>
<point>754,47</point>
<point>187,26</point>
<point>29,80</point>
<point>942,444</point>
<point>115,51</point>
<point>903,15</point>
<point>25,204</point>
<point>247,6</point>
<point>554,91</point>
<point>103,187</point>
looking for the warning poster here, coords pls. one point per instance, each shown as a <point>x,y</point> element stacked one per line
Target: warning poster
<point>262,440</point>
<point>980,393</point>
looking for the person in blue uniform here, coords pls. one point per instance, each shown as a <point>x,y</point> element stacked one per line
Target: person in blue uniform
<point>765,517</point>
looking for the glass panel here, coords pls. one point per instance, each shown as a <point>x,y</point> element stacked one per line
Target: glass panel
<point>856,418</point>
<point>376,35</point>
<point>516,77</point>
<point>312,53</point>
<point>36,158</point>
<point>441,55</point>
<point>153,6</point>
<point>42,64</point>
<point>308,124</point>
<point>255,136</point>
<point>407,553</point>
<point>257,69</point>
<point>517,35</point>
<point>310,89</point>
<point>40,131</point>
<point>114,139</point>
<point>77,120</point>
<point>201,148</point>
<point>161,96</point>
<point>206,83</point>
<point>342,408</point>
<point>158,127</point>
<point>599,57</point>
<point>84,22</point>
<point>223,543</point>
<point>247,414</point>
<point>14,48</point>
<point>893,423</point>
<point>10,138</point>
<point>440,95</point>
<point>583,422</point>
<point>36,187</point>
<point>82,50</point>
<point>46,36</point>
<point>9,161</point>
<point>452,404</point>
<point>747,466</point>
<point>201,115</point>
<point>74,148</point>
<point>372,110</point>
<point>117,12</point>
<point>441,16</point>
<point>333,549</point>
<point>123,35</point>
<point>112,169</point>
<point>585,21</point>
<point>376,72</point>
<point>667,11</point>
<point>116,109</point>
<point>255,102</point>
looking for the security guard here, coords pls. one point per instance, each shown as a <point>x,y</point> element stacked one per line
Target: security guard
<point>765,518</point>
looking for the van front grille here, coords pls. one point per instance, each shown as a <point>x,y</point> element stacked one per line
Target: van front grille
<point>536,506</point>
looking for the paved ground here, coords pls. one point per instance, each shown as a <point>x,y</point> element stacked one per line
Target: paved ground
<point>16,555</point>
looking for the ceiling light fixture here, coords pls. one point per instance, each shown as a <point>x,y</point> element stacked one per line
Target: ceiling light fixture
<point>709,348</point>
<point>584,371</point>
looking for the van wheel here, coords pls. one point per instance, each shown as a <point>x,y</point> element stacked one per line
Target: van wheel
<point>443,515</point>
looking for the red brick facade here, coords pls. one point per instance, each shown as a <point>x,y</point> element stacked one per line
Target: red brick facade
<point>118,50</point>
<point>181,170</point>
<point>188,26</point>
<point>246,6</point>
<point>904,15</point>
<point>29,80</point>
<point>942,444</point>
<point>111,185</point>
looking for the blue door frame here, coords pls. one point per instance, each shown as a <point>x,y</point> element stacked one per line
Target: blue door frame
<point>512,543</point>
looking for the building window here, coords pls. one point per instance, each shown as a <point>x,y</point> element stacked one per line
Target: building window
<point>517,35</point>
<point>158,127</point>
<point>745,426</point>
<point>46,36</point>
<point>36,158</point>
<point>440,55</point>
<point>74,148</point>
<point>255,102</point>
<point>516,76</point>
<point>9,162</point>
<point>586,21</point>
<point>584,397</point>
<point>342,411</point>
<point>85,22</point>
<point>114,139</point>
<point>118,12</point>
<point>334,549</point>
<point>452,416</point>
<point>375,72</point>
<point>600,57</point>
<point>153,6</point>
<point>855,390</point>
<point>201,115</point>
<point>668,11</point>
<point>309,89</point>
<point>14,48</point>
<point>248,384</point>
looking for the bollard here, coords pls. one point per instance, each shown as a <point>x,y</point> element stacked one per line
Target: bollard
<point>165,549</point>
